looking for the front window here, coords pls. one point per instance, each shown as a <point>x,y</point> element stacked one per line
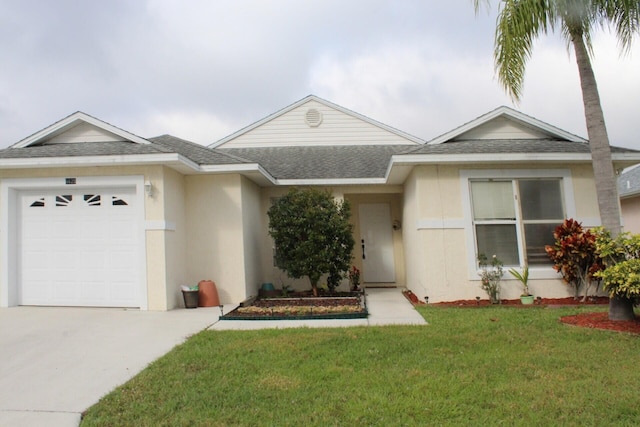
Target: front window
<point>514,218</point>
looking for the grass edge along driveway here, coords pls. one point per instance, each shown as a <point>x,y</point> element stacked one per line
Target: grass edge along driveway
<point>485,366</point>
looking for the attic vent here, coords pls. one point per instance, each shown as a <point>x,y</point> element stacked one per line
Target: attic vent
<point>313,117</point>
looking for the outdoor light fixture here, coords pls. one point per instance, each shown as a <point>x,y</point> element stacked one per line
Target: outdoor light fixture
<point>148,188</point>
<point>221,311</point>
<point>477,300</point>
<point>426,300</point>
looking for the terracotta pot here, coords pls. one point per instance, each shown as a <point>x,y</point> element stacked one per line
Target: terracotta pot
<point>208,294</point>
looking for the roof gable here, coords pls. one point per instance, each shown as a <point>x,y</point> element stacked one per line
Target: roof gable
<point>79,128</point>
<point>313,121</point>
<point>504,123</point>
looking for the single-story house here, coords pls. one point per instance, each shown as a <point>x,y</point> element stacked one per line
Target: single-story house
<point>93,215</point>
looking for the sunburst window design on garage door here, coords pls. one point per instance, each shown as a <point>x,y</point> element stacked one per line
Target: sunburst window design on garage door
<point>64,200</point>
<point>118,201</point>
<point>92,199</point>
<point>40,203</point>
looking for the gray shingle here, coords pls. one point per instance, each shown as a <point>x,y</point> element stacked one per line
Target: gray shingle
<point>510,146</point>
<point>82,149</point>
<point>318,162</point>
<point>195,152</point>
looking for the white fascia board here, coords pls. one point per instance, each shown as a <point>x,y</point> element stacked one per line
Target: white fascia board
<point>71,121</point>
<point>630,195</point>
<point>238,168</point>
<point>513,114</point>
<point>330,182</point>
<point>626,157</point>
<point>81,161</point>
<point>488,158</point>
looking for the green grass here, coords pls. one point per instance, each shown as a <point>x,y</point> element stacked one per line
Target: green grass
<point>485,366</point>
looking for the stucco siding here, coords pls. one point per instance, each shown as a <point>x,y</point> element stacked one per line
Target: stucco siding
<point>175,235</point>
<point>631,214</point>
<point>254,224</point>
<point>215,234</point>
<point>438,247</point>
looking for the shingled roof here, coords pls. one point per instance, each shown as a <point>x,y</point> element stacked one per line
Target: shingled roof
<point>509,146</point>
<point>196,153</point>
<point>110,148</point>
<point>315,162</point>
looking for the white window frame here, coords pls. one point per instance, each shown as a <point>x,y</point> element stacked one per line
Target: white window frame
<point>468,175</point>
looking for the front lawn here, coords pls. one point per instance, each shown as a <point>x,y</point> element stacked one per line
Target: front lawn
<point>482,366</point>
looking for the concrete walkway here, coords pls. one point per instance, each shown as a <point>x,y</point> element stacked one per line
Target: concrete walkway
<point>387,306</point>
<point>57,362</point>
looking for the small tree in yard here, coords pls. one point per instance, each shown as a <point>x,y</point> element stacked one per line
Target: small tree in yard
<point>621,256</point>
<point>312,235</point>
<point>574,255</point>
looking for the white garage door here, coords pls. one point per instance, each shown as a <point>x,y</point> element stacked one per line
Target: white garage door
<point>79,248</point>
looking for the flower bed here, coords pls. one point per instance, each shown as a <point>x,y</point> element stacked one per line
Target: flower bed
<point>300,307</point>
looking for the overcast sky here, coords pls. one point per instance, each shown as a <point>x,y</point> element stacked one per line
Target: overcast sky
<point>202,69</point>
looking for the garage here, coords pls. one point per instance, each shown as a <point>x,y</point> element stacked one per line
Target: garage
<point>79,246</point>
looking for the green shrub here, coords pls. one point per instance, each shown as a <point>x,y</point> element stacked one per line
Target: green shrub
<point>313,235</point>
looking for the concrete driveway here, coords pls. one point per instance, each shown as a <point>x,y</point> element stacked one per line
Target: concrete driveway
<point>59,361</point>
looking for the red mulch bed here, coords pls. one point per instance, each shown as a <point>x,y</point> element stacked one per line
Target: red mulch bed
<point>601,321</point>
<point>598,320</point>
<point>543,301</point>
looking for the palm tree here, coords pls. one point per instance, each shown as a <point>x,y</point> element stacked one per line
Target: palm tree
<point>519,23</point>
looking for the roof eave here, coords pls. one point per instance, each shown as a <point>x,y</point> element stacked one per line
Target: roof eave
<point>168,159</point>
<point>331,181</point>
<point>71,121</point>
<point>513,114</point>
<point>253,171</point>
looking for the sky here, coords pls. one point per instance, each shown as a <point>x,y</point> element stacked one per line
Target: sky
<point>203,69</point>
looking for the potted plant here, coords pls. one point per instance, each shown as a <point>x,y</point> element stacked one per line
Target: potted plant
<point>490,275</point>
<point>526,297</point>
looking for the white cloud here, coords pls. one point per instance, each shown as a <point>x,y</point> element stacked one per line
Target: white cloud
<point>200,127</point>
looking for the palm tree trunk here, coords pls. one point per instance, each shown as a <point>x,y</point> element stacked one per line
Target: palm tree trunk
<point>603,172</point>
<point>604,175</point>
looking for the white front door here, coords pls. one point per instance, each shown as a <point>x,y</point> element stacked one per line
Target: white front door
<point>376,239</point>
<point>79,247</point>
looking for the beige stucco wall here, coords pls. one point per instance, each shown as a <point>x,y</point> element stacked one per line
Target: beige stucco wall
<point>175,236</point>
<point>253,228</point>
<point>631,214</point>
<point>215,233</point>
<point>436,241</point>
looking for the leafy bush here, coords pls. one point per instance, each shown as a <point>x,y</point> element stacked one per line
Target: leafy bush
<point>574,256</point>
<point>621,256</point>
<point>312,235</point>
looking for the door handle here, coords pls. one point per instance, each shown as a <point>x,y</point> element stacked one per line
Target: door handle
<point>363,254</point>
